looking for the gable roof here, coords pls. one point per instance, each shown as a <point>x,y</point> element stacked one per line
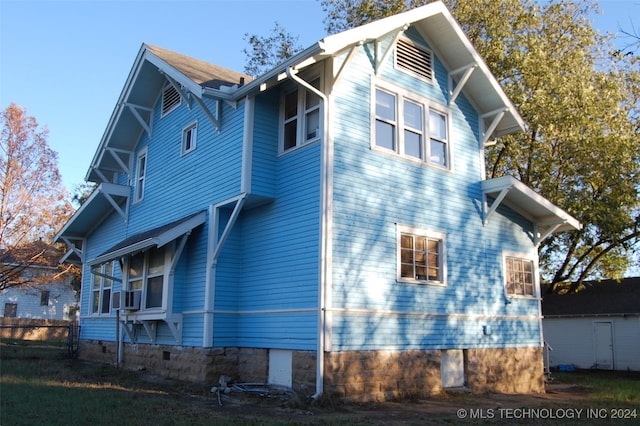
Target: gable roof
<point>435,23</point>
<point>154,65</point>
<point>607,297</point>
<point>149,74</point>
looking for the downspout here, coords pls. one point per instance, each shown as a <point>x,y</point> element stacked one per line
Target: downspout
<point>324,246</point>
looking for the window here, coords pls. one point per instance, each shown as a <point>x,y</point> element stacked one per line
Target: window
<point>301,117</point>
<point>146,276</point>
<point>141,171</point>
<point>10,310</point>
<point>414,59</point>
<point>421,257</point>
<point>170,99</point>
<point>44,298</point>
<point>400,127</point>
<point>189,134</point>
<point>101,289</point>
<point>520,276</point>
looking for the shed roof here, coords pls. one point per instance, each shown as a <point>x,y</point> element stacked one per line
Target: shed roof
<point>607,297</point>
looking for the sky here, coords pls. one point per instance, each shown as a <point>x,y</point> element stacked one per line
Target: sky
<point>66,62</point>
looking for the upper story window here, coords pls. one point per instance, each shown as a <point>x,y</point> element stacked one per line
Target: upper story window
<point>146,279</point>
<point>141,172</point>
<point>421,256</point>
<point>400,127</point>
<point>300,117</point>
<point>519,276</point>
<point>101,290</point>
<point>415,59</point>
<point>170,99</point>
<point>189,137</point>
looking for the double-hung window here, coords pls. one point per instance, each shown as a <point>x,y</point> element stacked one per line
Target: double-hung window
<point>421,256</point>
<point>520,276</point>
<point>300,116</point>
<point>101,290</point>
<point>141,173</point>
<point>146,277</point>
<point>411,127</point>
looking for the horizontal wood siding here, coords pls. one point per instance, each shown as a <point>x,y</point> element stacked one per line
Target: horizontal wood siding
<point>279,255</point>
<point>265,144</point>
<point>375,191</point>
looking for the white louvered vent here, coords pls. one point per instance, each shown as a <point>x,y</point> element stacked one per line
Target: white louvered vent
<point>170,99</point>
<point>414,59</point>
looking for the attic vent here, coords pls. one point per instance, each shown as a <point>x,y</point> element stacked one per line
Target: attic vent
<point>170,99</point>
<point>414,59</point>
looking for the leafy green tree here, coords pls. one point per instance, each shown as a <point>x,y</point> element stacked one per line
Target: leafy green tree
<point>32,199</point>
<point>265,53</point>
<point>581,101</point>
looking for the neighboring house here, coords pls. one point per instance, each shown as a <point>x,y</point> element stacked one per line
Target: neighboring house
<point>598,327</point>
<point>45,294</point>
<point>325,226</point>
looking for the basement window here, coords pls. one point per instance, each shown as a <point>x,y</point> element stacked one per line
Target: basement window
<point>414,59</point>
<point>170,99</point>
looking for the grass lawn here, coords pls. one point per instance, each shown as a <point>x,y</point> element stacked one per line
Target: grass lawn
<point>41,386</point>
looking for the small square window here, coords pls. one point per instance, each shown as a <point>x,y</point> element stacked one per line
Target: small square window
<point>519,276</point>
<point>421,256</point>
<point>10,310</point>
<point>189,137</point>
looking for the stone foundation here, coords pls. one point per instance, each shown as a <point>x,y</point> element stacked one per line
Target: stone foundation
<point>367,376</point>
<point>510,370</point>
<point>202,365</point>
<point>358,376</point>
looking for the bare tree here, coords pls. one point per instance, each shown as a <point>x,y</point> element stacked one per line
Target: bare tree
<point>32,199</point>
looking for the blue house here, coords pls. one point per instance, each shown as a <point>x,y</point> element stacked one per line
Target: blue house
<point>325,226</point>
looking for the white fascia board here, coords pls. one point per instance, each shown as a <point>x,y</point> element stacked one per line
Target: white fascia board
<point>117,110</point>
<point>191,86</point>
<point>529,203</point>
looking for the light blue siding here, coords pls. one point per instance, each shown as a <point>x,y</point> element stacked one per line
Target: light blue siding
<point>374,192</point>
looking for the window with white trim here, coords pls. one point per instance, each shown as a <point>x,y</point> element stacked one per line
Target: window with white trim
<point>421,256</point>
<point>145,275</point>
<point>171,99</point>
<point>101,289</point>
<point>300,117</point>
<point>414,59</point>
<point>141,172</point>
<point>400,127</point>
<point>189,137</point>
<point>520,278</point>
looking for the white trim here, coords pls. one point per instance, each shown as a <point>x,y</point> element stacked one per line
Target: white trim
<point>193,129</point>
<point>442,254</point>
<point>140,180</point>
<point>433,314</point>
<point>401,95</point>
<point>530,257</point>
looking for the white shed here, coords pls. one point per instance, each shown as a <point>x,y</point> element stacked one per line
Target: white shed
<point>598,327</point>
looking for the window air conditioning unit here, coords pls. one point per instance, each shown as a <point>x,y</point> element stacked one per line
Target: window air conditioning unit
<point>132,300</point>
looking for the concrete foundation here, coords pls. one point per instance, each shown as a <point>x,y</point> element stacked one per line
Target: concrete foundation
<point>358,376</point>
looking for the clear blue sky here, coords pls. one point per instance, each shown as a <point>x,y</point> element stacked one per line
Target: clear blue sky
<point>67,61</point>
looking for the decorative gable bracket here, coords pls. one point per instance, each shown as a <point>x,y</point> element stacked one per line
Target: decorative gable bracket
<point>466,73</point>
<point>495,116</point>
<point>381,56</point>
<point>146,125</point>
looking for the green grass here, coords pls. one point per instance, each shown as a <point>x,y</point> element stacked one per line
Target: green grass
<point>606,387</point>
<point>43,386</point>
